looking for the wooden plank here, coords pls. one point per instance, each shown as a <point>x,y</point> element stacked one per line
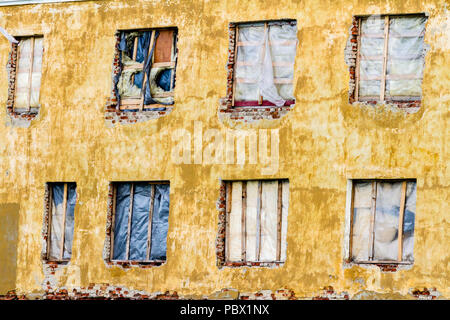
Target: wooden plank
<point>372,219</point>
<point>164,94</point>
<point>279,220</point>
<point>134,66</point>
<point>352,209</point>
<point>31,73</point>
<point>385,54</point>
<point>260,97</point>
<point>152,40</point>
<point>150,220</point>
<point>170,64</point>
<point>243,221</point>
<point>135,47</point>
<point>63,224</point>
<point>130,213</point>
<point>113,220</point>
<point>400,222</point>
<point>258,221</point>
<point>234,67</point>
<point>228,193</point>
<point>163,47</point>
<point>49,224</point>
<point>357,76</point>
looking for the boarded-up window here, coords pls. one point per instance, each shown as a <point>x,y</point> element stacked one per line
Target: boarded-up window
<point>147,77</point>
<point>140,221</point>
<point>61,221</point>
<point>264,65</point>
<point>380,209</point>
<point>28,73</point>
<point>256,215</point>
<point>390,59</point>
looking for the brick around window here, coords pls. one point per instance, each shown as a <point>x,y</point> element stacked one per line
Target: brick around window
<point>245,101</point>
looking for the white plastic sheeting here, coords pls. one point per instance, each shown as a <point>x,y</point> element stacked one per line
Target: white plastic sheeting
<point>25,86</point>
<point>235,233</point>
<point>385,245</point>
<point>371,56</point>
<point>361,221</point>
<point>386,221</point>
<point>265,55</point>
<point>57,220</point>
<point>267,222</point>
<point>405,57</point>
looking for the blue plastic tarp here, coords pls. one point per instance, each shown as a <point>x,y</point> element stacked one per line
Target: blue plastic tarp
<point>121,220</point>
<point>160,222</point>
<point>140,221</point>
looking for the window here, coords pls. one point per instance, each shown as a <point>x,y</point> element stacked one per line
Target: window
<point>28,73</point>
<point>140,221</point>
<point>147,76</point>
<point>264,65</point>
<point>62,199</point>
<point>380,209</point>
<point>390,58</point>
<point>256,220</point>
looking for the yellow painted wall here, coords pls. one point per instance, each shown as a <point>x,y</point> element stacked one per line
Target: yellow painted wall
<point>323,142</point>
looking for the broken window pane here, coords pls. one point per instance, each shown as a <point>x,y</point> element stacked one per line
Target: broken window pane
<point>137,204</point>
<point>63,199</point>
<point>375,231</point>
<point>257,220</point>
<point>148,60</point>
<point>264,67</point>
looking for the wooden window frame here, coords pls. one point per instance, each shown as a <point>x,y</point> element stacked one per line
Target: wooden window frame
<point>384,76</point>
<point>32,38</point>
<point>49,224</point>
<point>138,102</point>
<point>372,222</point>
<point>228,199</point>
<point>260,102</point>
<point>130,214</point>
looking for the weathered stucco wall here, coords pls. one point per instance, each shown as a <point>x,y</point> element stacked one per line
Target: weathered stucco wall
<point>323,142</point>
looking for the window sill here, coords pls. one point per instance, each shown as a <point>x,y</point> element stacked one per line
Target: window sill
<point>131,263</point>
<point>57,262</point>
<point>150,107</point>
<point>381,262</point>
<point>253,264</point>
<point>396,103</point>
<point>385,266</point>
<point>264,104</point>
